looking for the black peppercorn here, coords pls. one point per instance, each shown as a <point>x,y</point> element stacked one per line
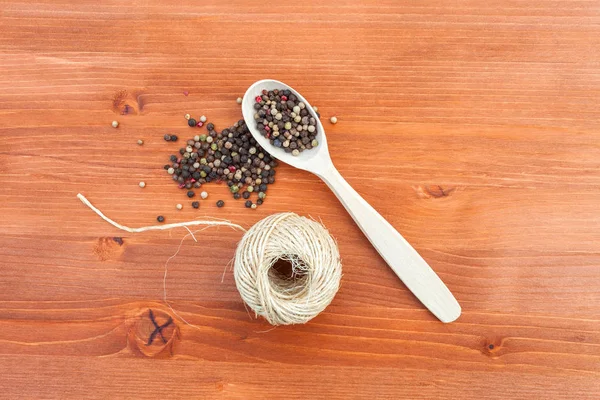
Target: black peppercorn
<point>262,187</point>
<point>195,204</point>
<point>246,195</point>
<point>160,218</point>
<point>220,203</point>
<point>248,203</point>
<point>192,122</point>
<point>174,138</point>
<point>210,126</point>
<point>190,194</point>
<point>259,202</point>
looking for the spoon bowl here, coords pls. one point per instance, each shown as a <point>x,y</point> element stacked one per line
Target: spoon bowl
<point>404,260</point>
<point>309,160</point>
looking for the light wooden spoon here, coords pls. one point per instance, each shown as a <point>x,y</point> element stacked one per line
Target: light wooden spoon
<point>410,267</point>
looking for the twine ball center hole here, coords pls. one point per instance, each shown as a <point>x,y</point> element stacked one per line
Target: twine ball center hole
<point>289,274</point>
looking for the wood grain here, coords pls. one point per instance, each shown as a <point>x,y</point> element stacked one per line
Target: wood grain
<point>471,125</point>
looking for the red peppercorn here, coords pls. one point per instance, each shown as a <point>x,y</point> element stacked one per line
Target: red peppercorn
<point>200,124</point>
<point>258,99</point>
<point>267,128</point>
<point>284,98</point>
<point>231,168</point>
<point>193,180</point>
<point>268,112</point>
<point>181,186</point>
<point>268,136</point>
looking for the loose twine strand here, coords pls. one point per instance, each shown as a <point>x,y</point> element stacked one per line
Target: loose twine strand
<point>304,243</point>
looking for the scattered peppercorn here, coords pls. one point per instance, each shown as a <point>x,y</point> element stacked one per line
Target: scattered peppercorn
<point>220,203</point>
<point>190,194</point>
<point>188,116</point>
<point>253,206</point>
<point>239,100</point>
<point>248,203</point>
<point>140,142</point>
<point>174,138</point>
<point>167,137</point>
<point>203,119</point>
<point>231,156</point>
<point>142,184</point>
<point>160,218</point>
<point>333,120</point>
<point>192,122</point>
<point>115,124</point>
<point>179,206</point>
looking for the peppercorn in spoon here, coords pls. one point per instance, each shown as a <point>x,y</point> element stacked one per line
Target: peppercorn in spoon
<point>404,260</point>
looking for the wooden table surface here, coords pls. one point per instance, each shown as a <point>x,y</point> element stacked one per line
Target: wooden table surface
<point>472,126</point>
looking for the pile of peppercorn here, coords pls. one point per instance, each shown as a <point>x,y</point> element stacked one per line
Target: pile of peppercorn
<point>286,121</point>
<point>232,156</point>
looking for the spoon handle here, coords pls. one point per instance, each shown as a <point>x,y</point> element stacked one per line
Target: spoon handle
<point>404,260</point>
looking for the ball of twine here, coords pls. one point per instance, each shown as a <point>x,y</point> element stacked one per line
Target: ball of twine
<point>315,264</point>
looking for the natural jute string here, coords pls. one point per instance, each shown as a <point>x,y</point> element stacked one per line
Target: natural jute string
<point>316,268</point>
<point>304,243</point>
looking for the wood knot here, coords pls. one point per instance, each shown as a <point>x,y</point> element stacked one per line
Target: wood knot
<point>126,103</point>
<point>433,191</point>
<point>153,334</point>
<point>107,248</point>
<point>492,347</point>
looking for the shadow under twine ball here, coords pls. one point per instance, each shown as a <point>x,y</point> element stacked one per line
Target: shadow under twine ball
<point>287,268</point>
